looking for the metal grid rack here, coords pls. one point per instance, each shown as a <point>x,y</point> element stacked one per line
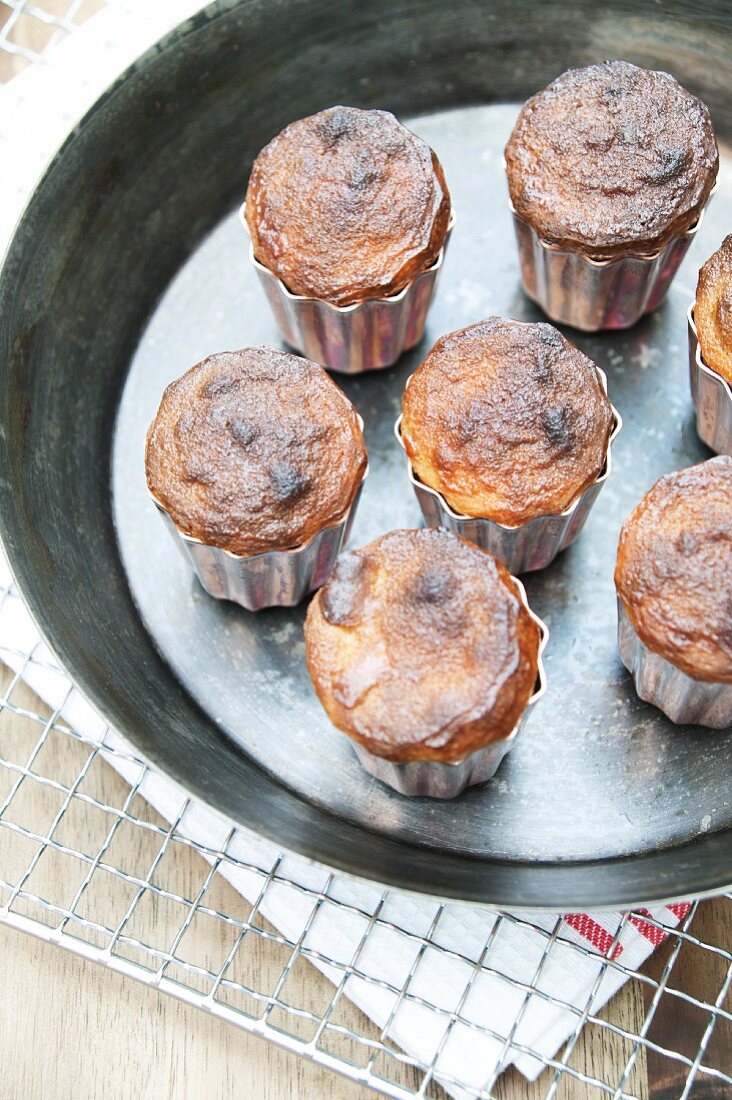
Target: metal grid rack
<point>84,858</point>
<point>30,27</point>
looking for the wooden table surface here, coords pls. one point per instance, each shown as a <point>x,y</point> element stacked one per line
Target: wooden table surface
<point>69,1027</point>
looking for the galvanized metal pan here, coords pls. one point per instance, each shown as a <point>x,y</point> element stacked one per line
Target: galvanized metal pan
<point>129,265</point>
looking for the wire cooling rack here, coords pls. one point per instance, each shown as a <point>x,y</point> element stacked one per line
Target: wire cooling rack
<point>87,864</point>
<point>28,28</point>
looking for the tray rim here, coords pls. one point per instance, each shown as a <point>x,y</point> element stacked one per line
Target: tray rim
<point>706,887</point>
<point>496,883</point>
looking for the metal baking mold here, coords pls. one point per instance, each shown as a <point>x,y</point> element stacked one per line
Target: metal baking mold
<point>434,779</point>
<point>573,289</point>
<point>711,395</point>
<point>528,546</point>
<point>365,336</point>
<point>683,699</point>
<point>273,578</point>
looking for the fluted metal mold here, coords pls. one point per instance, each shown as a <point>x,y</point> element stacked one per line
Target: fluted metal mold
<point>433,779</point>
<point>658,681</point>
<point>368,335</point>
<point>530,546</point>
<point>711,395</point>
<point>573,289</point>
<point>276,578</point>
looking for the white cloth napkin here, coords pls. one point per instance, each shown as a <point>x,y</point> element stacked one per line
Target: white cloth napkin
<point>456,959</point>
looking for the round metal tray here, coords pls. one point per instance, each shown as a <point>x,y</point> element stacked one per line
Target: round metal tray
<point>604,801</point>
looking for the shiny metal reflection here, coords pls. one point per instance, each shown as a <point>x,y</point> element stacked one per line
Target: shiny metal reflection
<point>573,289</point>
<point>368,335</point>
<point>711,395</point>
<point>658,681</point>
<point>530,546</point>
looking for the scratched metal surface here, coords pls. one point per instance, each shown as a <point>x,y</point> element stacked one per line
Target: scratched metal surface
<point>598,774</point>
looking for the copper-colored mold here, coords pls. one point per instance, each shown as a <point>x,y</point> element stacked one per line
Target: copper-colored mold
<point>658,681</point>
<point>711,395</point>
<point>529,546</point>
<point>366,336</point>
<point>573,289</point>
<point>274,578</point>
